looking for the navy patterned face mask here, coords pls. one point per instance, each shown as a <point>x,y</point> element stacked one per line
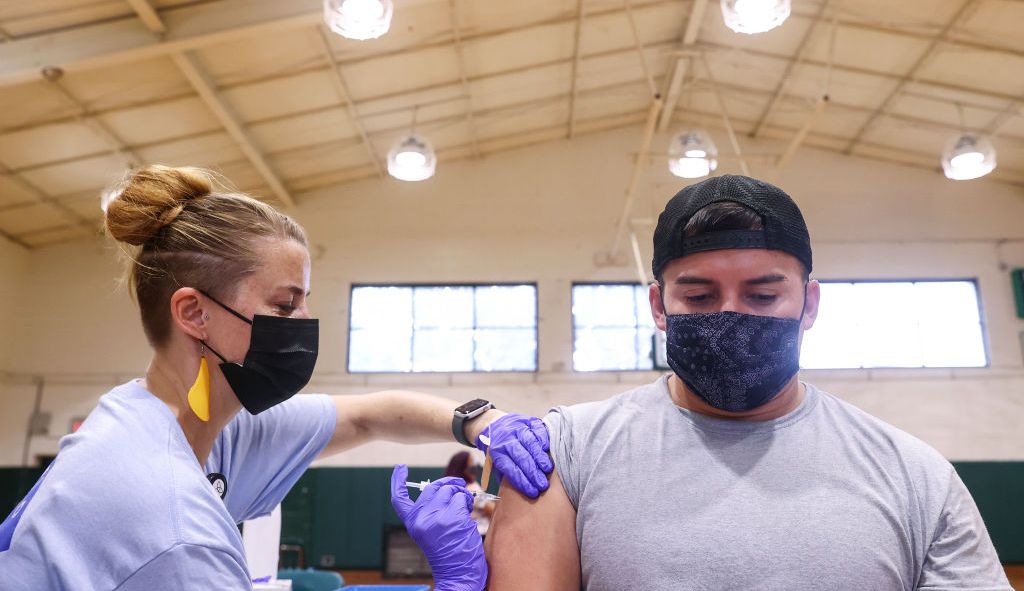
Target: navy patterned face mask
<point>734,362</point>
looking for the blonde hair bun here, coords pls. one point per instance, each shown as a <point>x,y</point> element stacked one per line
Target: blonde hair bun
<point>152,197</point>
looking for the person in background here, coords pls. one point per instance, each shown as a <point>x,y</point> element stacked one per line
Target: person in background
<point>462,465</point>
<point>147,494</point>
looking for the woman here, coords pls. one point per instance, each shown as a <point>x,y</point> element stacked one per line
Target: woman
<point>461,465</point>
<point>148,492</point>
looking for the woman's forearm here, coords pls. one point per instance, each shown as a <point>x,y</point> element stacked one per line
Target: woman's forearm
<point>401,416</point>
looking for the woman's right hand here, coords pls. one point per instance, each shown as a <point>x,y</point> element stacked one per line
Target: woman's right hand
<point>439,522</point>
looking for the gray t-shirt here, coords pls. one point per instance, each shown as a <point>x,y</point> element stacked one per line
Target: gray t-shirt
<point>826,497</point>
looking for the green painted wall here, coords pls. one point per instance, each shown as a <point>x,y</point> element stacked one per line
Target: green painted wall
<point>339,514</point>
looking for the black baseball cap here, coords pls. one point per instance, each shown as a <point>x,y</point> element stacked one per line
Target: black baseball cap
<point>784,227</point>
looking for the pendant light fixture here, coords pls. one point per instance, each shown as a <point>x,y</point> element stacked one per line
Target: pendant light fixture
<point>359,19</point>
<point>692,155</point>
<point>412,158</point>
<point>754,16</point>
<point>968,156</point>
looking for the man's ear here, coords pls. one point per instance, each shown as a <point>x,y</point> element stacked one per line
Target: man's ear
<point>188,312</point>
<point>657,305</point>
<point>811,304</point>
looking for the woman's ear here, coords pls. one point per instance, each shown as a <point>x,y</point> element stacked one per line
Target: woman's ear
<point>188,312</point>
<point>657,305</point>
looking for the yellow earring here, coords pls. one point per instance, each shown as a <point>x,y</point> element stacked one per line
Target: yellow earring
<point>199,393</point>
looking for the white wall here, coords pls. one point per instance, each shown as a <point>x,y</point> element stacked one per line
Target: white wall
<point>540,214</point>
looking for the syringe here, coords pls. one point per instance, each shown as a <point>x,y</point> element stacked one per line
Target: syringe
<point>486,496</point>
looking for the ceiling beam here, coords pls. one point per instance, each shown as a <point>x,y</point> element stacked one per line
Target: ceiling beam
<point>341,86</point>
<point>38,197</point>
<point>129,40</point>
<point>189,27</point>
<point>514,108</point>
<point>574,74</point>
<point>944,125</point>
<point>204,86</point>
<point>1012,110</point>
<point>787,74</point>
<point>675,84</point>
<point>604,123</point>
<point>148,15</point>
<point>453,10</point>
<point>918,34</point>
<point>82,115</point>
<point>365,111</point>
<point>910,76</point>
<point>511,30</point>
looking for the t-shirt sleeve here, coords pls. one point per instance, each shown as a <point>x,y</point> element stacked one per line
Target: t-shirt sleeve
<point>961,555</point>
<point>262,456</point>
<point>188,566</point>
<point>560,431</point>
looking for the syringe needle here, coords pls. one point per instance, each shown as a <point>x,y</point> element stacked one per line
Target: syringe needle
<point>476,494</point>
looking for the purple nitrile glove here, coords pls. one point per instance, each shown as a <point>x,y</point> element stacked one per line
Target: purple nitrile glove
<point>519,446</point>
<point>440,523</point>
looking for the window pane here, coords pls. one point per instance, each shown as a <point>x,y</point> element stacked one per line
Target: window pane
<point>379,350</point>
<point>834,341</point>
<point>604,349</point>
<point>603,305</point>
<point>506,305</point>
<point>643,307</point>
<point>443,350</point>
<point>644,342</point>
<point>443,307</point>
<point>896,324</point>
<point>385,308</point>
<point>438,328</point>
<point>506,349</point>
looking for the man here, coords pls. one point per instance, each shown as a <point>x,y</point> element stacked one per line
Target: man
<point>730,473</point>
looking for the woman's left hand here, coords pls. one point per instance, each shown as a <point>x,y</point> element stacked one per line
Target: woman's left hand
<point>439,522</point>
<point>519,447</point>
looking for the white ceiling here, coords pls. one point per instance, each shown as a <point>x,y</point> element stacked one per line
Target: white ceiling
<point>250,89</point>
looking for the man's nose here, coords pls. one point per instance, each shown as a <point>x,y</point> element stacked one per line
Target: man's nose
<point>730,303</point>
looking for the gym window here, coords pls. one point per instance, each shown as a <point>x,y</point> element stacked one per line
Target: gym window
<point>612,327</point>
<point>442,328</point>
<point>876,324</point>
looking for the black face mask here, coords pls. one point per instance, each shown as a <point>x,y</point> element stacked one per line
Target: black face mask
<point>282,354</point>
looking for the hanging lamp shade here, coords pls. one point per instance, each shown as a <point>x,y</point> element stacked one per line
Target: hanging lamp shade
<point>692,155</point>
<point>968,156</point>
<point>412,159</point>
<point>755,16</point>
<point>358,19</point>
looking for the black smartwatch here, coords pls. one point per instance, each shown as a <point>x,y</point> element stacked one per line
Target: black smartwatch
<point>468,412</point>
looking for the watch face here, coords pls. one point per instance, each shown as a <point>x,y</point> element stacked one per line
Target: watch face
<point>470,406</point>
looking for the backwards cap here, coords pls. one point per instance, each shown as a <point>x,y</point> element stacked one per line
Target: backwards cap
<point>784,227</point>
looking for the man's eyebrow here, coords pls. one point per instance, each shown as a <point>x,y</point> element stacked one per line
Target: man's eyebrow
<point>295,289</point>
<point>688,280</point>
<point>769,278</point>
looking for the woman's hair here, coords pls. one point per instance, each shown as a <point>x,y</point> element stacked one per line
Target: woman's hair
<point>457,465</point>
<point>183,231</point>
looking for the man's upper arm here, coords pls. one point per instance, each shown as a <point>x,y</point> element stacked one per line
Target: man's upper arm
<point>531,543</point>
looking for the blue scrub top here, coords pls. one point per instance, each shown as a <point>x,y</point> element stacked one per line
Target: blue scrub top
<point>125,505</point>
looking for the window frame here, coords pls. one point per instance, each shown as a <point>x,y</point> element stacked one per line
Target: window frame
<point>981,322</point>
<point>413,285</point>
<point>572,327</point>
